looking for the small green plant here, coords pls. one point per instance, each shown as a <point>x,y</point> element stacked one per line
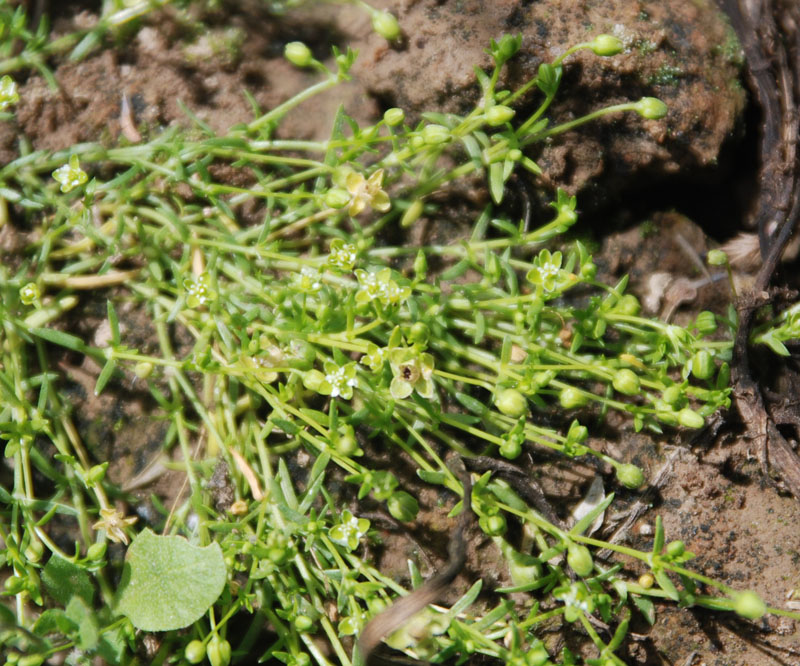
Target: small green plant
<point>308,337</point>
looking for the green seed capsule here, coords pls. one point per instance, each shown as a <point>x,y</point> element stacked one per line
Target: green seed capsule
<point>630,476</point>
<point>218,651</point>
<point>512,403</point>
<point>690,419</point>
<point>748,604</point>
<point>303,623</point>
<point>676,548</point>
<point>706,322</point>
<point>194,651</point>
<point>570,398</point>
<point>651,108</point>
<point>386,25</point>
<point>298,54</point>
<point>403,506</point>
<point>716,258</point>
<point>672,394</point>
<point>702,364</point>
<point>394,116</point>
<point>606,45</point>
<point>435,134</point>
<point>626,382</point>
<point>580,560</point>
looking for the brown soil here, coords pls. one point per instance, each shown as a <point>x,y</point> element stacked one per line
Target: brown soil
<point>715,497</point>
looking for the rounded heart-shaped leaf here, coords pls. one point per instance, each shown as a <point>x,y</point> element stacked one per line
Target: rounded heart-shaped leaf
<point>167,583</point>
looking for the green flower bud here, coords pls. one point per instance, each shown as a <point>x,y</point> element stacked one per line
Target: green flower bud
<point>494,525</point>
<point>512,403</point>
<point>419,333</point>
<point>298,54</point>
<point>748,604</point>
<point>218,651</point>
<point>96,474</point>
<point>194,651</point>
<point>690,419</point>
<point>580,560</point>
<point>412,213</point>
<point>386,25</point>
<point>570,398</point>
<point>394,116</point>
<point>14,584</point>
<point>626,382</point>
<point>435,134</point>
<point>97,551</point>
<point>515,155</point>
<point>303,623</point>
<point>511,448</point>
<point>651,108</point>
<point>628,305</point>
<point>606,45</point>
<point>716,258</point>
<point>630,476</point>
<point>499,114</point>
<point>403,506</point>
<point>675,548</point>
<point>336,197</point>
<point>508,46</point>
<point>702,364</point>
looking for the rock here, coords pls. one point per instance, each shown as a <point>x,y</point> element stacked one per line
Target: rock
<point>681,51</point>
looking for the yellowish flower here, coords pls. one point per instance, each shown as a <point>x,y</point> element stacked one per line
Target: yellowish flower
<point>366,192</point>
<point>114,523</point>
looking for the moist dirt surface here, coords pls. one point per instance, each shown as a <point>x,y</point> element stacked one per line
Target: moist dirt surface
<point>712,493</point>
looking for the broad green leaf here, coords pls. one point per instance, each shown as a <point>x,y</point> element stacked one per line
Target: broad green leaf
<point>88,630</point>
<point>167,583</point>
<point>53,620</point>
<point>63,580</point>
<point>647,608</point>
